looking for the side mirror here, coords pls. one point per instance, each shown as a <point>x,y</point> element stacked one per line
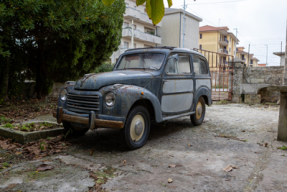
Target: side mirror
<point>175,57</point>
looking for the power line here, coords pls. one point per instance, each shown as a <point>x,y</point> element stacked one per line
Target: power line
<point>217,2</point>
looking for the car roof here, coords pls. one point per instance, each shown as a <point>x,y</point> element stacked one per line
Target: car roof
<point>162,49</point>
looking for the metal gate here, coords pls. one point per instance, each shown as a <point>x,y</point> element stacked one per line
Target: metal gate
<point>221,69</point>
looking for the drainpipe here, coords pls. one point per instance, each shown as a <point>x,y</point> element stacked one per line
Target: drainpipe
<point>132,46</point>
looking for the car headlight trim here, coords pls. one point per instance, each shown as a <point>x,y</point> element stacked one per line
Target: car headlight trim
<point>63,94</point>
<point>110,99</point>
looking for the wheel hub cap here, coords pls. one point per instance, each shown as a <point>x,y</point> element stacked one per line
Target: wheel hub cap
<point>138,128</point>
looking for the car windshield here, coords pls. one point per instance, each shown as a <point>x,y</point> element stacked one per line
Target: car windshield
<point>152,61</point>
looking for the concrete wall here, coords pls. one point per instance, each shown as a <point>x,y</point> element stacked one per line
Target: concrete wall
<point>170,30</point>
<point>191,39</point>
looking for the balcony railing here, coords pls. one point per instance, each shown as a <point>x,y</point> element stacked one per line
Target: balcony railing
<point>139,35</point>
<point>133,13</point>
<point>224,51</point>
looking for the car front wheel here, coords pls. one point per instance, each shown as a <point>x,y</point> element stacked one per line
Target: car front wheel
<point>198,117</point>
<point>137,127</point>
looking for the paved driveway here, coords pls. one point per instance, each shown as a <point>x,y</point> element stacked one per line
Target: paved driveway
<point>232,134</point>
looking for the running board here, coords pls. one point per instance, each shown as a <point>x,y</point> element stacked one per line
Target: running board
<point>177,116</point>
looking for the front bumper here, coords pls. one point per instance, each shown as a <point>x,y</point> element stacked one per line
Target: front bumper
<point>91,121</point>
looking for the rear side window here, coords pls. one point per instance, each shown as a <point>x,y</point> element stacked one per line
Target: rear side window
<point>199,66</point>
<point>182,66</point>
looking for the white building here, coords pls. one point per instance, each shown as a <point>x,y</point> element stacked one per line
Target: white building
<point>145,33</point>
<point>282,57</point>
<point>173,26</point>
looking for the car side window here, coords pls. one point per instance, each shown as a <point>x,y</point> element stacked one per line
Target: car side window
<point>171,67</point>
<point>182,66</point>
<point>199,66</point>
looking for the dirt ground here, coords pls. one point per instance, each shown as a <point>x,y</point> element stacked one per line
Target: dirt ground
<point>192,157</point>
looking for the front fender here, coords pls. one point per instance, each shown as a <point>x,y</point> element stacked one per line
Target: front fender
<point>126,96</point>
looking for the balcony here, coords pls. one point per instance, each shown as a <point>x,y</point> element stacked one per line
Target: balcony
<point>224,42</point>
<point>141,36</point>
<point>134,14</point>
<point>223,51</point>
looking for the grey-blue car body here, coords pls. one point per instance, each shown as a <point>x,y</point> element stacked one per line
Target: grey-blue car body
<point>167,92</point>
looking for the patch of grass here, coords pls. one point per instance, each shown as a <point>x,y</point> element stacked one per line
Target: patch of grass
<point>4,164</point>
<point>3,119</point>
<point>9,125</point>
<point>163,184</point>
<point>282,148</point>
<point>222,102</point>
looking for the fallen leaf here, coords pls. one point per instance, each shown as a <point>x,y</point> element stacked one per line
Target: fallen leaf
<point>44,167</point>
<point>266,144</point>
<point>243,131</point>
<point>18,152</point>
<point>189,145</point>
<point>169,180</point>
<point>229,168</point>
<point>92,151</point>
<point>171,166</point>
<point>124,161</point>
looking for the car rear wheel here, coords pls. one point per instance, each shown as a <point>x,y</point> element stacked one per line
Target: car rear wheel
<point>137,127</point>
<point>71,130</point>
<point>198,117</point>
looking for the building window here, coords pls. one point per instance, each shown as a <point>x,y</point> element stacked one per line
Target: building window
<point>200,36</point>
<point>126,25</point>
<point>200,46</point>
<point>135,27</point>
<point>135,46</point>
<point>149,31</point>
<point>126,45</point>
<point>229,49</point>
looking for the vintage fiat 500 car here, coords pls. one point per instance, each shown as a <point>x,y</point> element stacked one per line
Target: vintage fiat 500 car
<point>146,84</point>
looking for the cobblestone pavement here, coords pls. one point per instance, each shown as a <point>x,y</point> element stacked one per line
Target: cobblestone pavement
<point>232,134</point>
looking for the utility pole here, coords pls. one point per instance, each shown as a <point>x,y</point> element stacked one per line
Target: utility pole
<point>266,53</point>
<point>248,55</point>
<point>236,42</point>
<point>132,46</point>
<point>183,31</point>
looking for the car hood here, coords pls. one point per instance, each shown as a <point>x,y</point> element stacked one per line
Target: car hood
<point>97,80</point>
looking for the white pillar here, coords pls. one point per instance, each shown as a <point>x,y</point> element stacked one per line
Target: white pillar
<point>132,46</point>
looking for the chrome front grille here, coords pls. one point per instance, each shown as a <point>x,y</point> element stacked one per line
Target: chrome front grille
<point>83,103</point>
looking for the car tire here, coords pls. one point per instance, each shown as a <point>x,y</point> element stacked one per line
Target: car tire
<point>198,117</point>
<point>137,127</point>
<point>69,128</point>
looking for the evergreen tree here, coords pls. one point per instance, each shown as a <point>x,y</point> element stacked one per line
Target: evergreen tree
<point>58,40</point>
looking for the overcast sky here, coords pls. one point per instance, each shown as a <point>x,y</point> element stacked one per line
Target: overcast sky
<point>259,22</point>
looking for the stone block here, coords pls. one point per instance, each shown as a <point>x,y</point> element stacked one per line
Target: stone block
<point>26,137</point>
<point>256,80</point>
<point>236,98</point>
<point>252,99</point>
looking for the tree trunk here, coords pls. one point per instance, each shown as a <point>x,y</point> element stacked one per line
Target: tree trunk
<point>6,79</point>
<point>42,85</point>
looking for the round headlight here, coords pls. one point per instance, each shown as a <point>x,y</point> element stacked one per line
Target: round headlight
<point>110,99</point>
<point>63,94</point>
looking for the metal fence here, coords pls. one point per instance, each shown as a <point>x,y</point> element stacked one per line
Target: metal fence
<point>221,69</point>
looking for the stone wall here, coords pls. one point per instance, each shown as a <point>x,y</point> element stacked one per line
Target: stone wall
<point>252,82</point>
<point>263,75</point>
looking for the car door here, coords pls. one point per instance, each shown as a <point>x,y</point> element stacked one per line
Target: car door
<point>177,86</point>
<point>201,72</point>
